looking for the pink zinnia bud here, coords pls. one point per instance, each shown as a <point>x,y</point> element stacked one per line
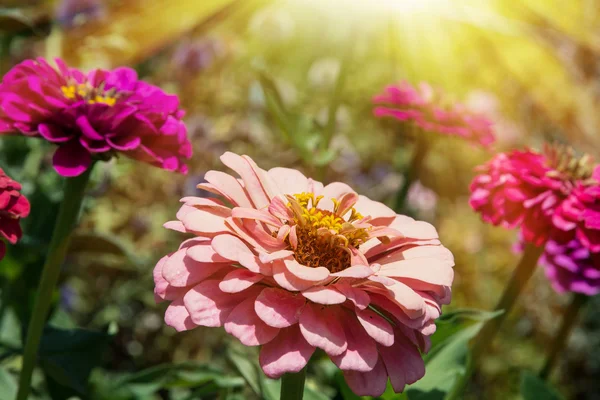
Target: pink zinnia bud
<point>551,195</point>
<point>98,114</point>
<point>13,207</point>
<point>290,264</point>
<point>423,107</point>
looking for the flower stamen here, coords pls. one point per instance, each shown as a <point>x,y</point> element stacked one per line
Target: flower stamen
<point>324,237</point>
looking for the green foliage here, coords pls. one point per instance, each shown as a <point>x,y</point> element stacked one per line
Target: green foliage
<point>533,388</point>
<point>447,361</point>
<point>193,379</point>
<point>68,356</point>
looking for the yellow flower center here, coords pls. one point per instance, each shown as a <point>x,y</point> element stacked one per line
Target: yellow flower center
<point>90,94</point>
<point>324,237</point>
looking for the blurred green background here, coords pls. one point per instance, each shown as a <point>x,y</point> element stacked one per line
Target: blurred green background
<point>270,79</point>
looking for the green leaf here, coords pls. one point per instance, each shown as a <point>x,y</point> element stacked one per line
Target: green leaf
<point>447,360</point>
<point>8,385</point>
<point>10,330</point>
<point>68,355</point>
<point>96,244</point>
<point>533,388</point>
<point>202,378</point>
<point>249,370</point>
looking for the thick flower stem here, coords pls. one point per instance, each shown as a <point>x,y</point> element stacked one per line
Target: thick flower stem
<point>515,286</point>
<point>568,322</point>
<point>292,385</point>
<point>67,217</point>
<point>412,172</point>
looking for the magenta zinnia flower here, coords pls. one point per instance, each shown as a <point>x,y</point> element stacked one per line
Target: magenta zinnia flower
<point>423,107</point>
<point>293,265</point>
<point>549,195</point>
<point>99,114</point>
<point>13,206</point>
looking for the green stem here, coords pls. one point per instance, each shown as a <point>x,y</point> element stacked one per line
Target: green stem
<point>67,217</point>
<point>417,161</point>
<point>568,322</point>
<point>515,286</point>
<point>292,385</point>
<point>485,337</point>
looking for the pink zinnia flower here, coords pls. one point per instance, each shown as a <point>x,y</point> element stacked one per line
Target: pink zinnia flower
<point>99,114</point>
<point>549,195</point>
<point>13,206</point>
<point>423,107</point>
<point>292,265</point>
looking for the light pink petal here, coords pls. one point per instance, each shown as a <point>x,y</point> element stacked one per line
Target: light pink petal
<point>288,352</point>
<point>293,236</point>
<point>357,257</point>
<point>178,317</point>
<point>321,328</point>
<point>359,297</point>
<point>261,236</point>
<point>428,251</point>
<point>326,295</point>
<point>371,383</point>
<point>379,212</point>
<point>183,211</point>
<point>430,270</point>
<point>202,221</point>
<point>250,175</point>
<point>279,308</point>
<point>238,228</point>
<point>180,270</point>
<point>306,273</point>
<point>403,363</point>
<point>175,226</point>
<point>415,229</point>
<point>227,186</point>
<point>357,271</point>
<point>392,309</point>
<point>279,209</point>
<point>162,289</point>
<point>410,302</point>
<point>346,202</point>
<point>385,231</point>
<point>276,255</point>
<point>289,181</point>
<point>244,324</point>
<point>315,187</point>
<point>361,353</point>
<point>213,206</point>
<point>210,306</point>
<point>205,253</point>
<point>233,248</point>
<point>376,326</point>
<point>287,280</point>
<point>258,215</point>
<point>334,190</point>
<point>283,232</point>
<point>238,280</point>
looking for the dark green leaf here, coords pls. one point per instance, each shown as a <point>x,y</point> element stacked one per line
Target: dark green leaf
<point>533,388</point>
<point>69,355</point>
